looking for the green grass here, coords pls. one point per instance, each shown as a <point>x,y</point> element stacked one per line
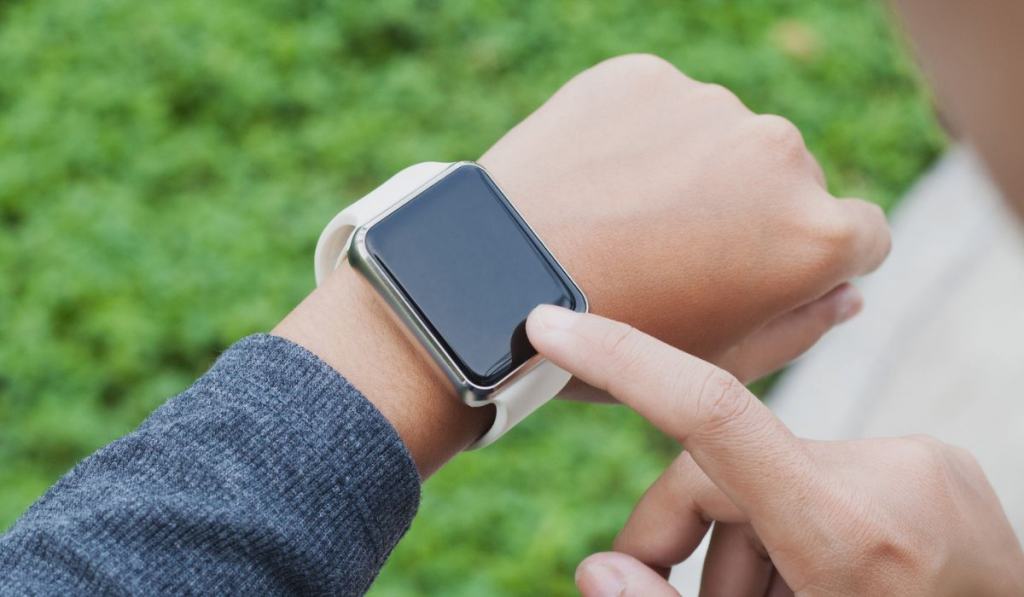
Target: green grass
<point>165,168</point>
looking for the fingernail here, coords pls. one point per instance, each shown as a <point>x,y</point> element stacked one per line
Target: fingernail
<point>595,579</point>
<point>550,317</point>
<point>850,302</point>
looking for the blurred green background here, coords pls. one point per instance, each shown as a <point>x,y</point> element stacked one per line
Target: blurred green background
<point>165,168</point>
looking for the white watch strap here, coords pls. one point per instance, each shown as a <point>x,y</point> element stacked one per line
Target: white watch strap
<point>519,399</point>
<point>333,244</point>
<point>515,401</point>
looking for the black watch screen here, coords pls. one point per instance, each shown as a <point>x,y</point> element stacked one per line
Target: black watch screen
<point>472,269</point>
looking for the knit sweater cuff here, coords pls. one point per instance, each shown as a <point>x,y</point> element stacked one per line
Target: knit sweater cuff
<point>344,450</point>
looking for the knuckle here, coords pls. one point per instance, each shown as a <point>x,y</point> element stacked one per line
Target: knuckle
<point>833,236</point>
<point>714,94</point>
<point>621,348</point>
<point>926,457</point>
<point>967,460</point>
<point>878,214</point>
<point>682,479</point>
<point>925,448</point>
<point>873,541</point>
<point>683,468</point>
<point>778,137</point>
<point>880,224</point>
<point>637,71</point>
<point>646,66</point>
<point>617,338</point>
<point>836,231</point>
<point>875,538</point>
<point>628,72</point>
<point>635,78</point>
<point>965,470</point>
<point>883,547</point>
<point>722,400</point>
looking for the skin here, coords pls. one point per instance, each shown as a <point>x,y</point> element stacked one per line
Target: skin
<point>907,516</point>
<point>970,52</point>
<point>674,207</point>
<point>903,532</point>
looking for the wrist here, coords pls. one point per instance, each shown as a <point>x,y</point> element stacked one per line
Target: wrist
<point>345,323</point>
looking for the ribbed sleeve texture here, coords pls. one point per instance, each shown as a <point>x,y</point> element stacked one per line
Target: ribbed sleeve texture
<point>270,475</point>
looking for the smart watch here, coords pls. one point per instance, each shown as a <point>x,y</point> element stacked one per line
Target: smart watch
<point>460,269</point>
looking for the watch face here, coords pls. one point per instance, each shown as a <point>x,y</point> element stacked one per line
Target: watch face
<point>472,270</point>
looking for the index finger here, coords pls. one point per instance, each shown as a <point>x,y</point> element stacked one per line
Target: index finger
<point>744,449</point>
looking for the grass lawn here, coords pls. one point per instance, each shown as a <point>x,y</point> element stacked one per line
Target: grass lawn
<point>165,168</point>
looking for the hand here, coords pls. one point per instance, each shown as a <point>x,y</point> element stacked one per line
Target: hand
<point>905,516</point>
<point>686,215</point>
<point>676,209</point>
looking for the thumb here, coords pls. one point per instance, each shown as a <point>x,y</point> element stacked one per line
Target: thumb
<point>614,574</point>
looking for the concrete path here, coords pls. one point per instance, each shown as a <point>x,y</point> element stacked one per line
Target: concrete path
<point>939,348</point>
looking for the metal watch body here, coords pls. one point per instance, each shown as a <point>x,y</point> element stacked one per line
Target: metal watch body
<point>388,232</point>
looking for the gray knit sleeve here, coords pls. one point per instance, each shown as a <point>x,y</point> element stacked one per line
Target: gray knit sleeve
<point>271,474</point>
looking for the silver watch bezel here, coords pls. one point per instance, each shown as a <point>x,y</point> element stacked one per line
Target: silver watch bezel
<point>361,259</point>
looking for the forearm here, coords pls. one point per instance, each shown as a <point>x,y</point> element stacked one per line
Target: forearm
<point>270,474</point>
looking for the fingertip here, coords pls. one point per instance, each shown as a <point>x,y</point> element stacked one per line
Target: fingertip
<point>546,323</point>
<point>612,574</point>
<point>597,576</point>
<point>552,317</point>
<point>847,302</point>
